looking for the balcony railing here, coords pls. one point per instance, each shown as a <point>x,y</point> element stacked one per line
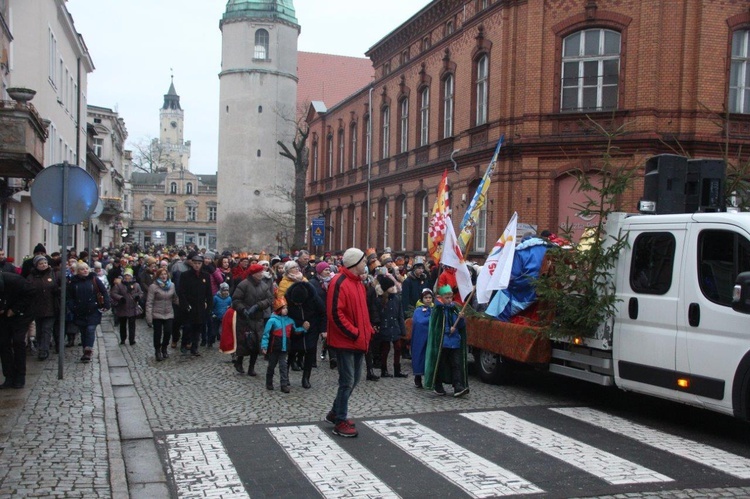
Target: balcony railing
<point>22,137</point>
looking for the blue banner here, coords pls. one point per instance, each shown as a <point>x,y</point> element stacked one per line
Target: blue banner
<point>318,231</point>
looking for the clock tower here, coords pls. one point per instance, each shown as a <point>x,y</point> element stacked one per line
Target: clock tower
<point>171,152</point>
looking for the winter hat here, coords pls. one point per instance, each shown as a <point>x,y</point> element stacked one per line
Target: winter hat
<point>38,259</point>
<point>352,257</point>
<point>386,258</point>
<point>275,260</point>
<point>255,268</point>
<point>428,291</point>
<point>319,268</point>
<point>39,248</point>
<point>385,282</point>
<point>298,293</point>
<point>209,255</point>
<point>444,289</point>
<point>128,271</point>
<point>264,263</point>
<point>279,303</point>
<point>223,286</point>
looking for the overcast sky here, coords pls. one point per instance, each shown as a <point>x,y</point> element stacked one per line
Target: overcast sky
<point>136,43</point>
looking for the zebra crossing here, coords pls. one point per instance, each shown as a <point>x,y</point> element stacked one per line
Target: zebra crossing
<point>552,452</point>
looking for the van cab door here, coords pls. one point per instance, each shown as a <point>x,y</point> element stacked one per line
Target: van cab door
<point>712,337</point>
<point>645,334</point>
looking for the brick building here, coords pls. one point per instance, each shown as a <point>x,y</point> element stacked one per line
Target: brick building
<point>545,73</point>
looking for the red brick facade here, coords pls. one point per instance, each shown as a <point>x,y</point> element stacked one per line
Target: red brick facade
<point>670,82</point>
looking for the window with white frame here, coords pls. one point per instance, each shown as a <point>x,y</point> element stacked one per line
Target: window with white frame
<point>169,213</point>
<point>189,188</point>
<point>329,153</point>
<point>98,145</point>
<point>404,125</point>
<point>353,220</point>
<point>386,216</point>
<point>480,234</point>
<point>482,89</point>
<point>173,188</point>
<point>425,228</point>
<point>341,150</point>
<point>404,221</point>
<point>212,213</point>
<point>739,75</point>
<point>448,83</point>
<point>386,131</point>
<point>590,71</point>
<point>353,145</point>
<point>148,212</point>
<point>192,213</point>
<point>52,56</point>
<point>341,227</point>
<point>368,139</point>
<point>261,45</point>
<point>315,161</point>
<point>424,117</point>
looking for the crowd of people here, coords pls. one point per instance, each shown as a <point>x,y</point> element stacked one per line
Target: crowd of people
<point>295,310</point>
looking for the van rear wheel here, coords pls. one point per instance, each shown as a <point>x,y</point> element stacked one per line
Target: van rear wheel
<point>492,368</point>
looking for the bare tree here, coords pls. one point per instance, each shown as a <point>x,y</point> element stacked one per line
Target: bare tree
<point>149,156</point>
<point>298,153</point>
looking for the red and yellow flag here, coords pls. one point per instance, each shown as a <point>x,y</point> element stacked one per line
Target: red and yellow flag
<point>440,213</point>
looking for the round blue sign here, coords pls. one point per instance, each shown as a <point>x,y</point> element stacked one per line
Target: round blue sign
<point>64,180</point>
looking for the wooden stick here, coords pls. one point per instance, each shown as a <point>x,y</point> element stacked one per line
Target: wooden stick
<point>466,302</point>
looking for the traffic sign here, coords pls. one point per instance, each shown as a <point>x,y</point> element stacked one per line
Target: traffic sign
<point>318,231</point>
<point>124,232</point>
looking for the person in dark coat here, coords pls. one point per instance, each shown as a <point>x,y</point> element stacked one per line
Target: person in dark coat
<point>320,282</point>
<point>392,328</point>
<point>250,299</point>
<point>16,297</point>
<point>126,295</point>
<point>411,288</point>
<point>28,264</point>
<point>85,300</point>
<point>6,265</point>
<point>305,304</point>
<point>194,293</point>
<point>46,304</point>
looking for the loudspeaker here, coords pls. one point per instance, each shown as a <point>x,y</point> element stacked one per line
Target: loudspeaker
<point>705,185</point>
<point>664,182</point>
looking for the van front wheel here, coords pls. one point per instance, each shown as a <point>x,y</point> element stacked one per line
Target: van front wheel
<point>492,368</point>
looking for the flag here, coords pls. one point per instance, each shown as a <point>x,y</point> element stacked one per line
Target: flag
<point>453,257</point>
<point>496,271</point>
<point>441,210</point>
<point>469,222</point>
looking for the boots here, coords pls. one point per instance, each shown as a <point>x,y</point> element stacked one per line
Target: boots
<point>238,364</point>
<point>385,374</point>
<point>269,381</point>
<point>70,340</point>
<point>371,376</point>
<point>251,367</point>
<point>87,352</point>
<point>19,381</point>
<point>306,379</point>
<point>418,381</point>
<point>164,353</point>
<point>157,354</point>
<point>398,374</point>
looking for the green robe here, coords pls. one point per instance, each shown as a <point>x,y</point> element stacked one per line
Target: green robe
<point>441,373</point>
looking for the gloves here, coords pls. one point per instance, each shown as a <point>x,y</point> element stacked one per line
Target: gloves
<point>250,310</point>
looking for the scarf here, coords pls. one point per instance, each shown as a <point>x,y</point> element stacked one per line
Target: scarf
<point>165,285</point>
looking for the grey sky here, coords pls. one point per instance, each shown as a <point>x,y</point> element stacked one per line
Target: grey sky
<point>134,43</point>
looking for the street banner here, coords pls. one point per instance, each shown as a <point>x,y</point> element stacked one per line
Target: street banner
<point>440,210</point>
<point>496,271</point>
<point>453,257</point>
<point>469,222</point>
<point>318,231</point>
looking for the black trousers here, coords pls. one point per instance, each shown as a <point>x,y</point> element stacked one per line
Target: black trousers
<point>452,358</point>
<point>13,345</point>
<point>127,329</point>
<point>162,332</point>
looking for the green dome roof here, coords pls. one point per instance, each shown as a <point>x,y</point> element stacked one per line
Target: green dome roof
<point>269,9</point>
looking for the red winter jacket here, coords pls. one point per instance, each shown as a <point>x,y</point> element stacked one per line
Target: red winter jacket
<point>349,325</point>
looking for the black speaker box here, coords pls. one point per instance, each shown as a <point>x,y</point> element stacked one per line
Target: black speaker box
<point>664,182</point>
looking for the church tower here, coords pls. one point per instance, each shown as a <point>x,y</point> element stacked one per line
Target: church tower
<point>170,151</point>
<point>257,108</point>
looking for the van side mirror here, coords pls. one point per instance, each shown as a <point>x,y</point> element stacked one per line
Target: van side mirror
<point>741,293</point>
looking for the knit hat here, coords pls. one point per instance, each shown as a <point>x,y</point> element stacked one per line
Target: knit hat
<point>385,282</point>
<point>128,271</point>
<point>352,257</point>
<point>298,293</point>
<point>275,260</point>
<point>319,268</point>
<point>279,303</point>
<point>255,268</point>
<point>445,289</point>
<point>428,291</point>
<point>39,248</point>
<point>38,259</point>
<point>208,255</point>
<point>223,286</point>
<point>386,258</point>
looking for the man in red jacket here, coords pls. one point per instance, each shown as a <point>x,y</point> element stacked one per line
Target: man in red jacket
<point>349,333</point>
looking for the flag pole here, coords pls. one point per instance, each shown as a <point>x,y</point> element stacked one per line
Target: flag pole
<point>466,302</point>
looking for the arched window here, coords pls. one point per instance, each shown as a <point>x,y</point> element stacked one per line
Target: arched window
<point>448,89</point>
<point>482,89</point>
<point>261,45</point>
<point>424,229</point>
<point>315,162</point>
<point>341,150</point>
<point>353,226</point>
<point>386,132</point>
<point>329,153</point>
<point>424,116</point>
<point>403,216</point>
<point>173,188</point>
<point>368,140</point>
<point>386,216</point>
<point>403,112</point>
<point>591,70</point>
<point>739,77</point>
<point>189,188</point>
<point>353,145</point>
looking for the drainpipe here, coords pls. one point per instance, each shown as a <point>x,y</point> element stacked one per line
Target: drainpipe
<point>369,163</point>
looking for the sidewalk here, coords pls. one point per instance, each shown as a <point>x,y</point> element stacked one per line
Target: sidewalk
<point>86,435</point>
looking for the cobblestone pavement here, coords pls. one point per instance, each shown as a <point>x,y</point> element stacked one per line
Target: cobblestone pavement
<point>77,437</point>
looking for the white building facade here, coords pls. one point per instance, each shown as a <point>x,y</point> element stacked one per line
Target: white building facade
<point>257,108</point>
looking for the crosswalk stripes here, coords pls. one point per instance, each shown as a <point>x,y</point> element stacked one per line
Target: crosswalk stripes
<point>477,476</point>
<point>201,466</point>
<point>706,455</point>
<point>608,467</point>
<point>320,459</point>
